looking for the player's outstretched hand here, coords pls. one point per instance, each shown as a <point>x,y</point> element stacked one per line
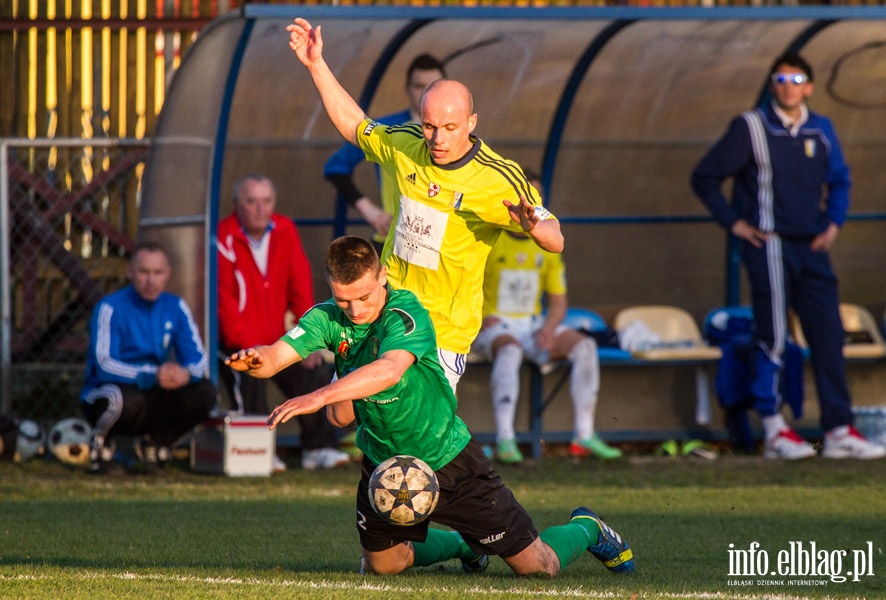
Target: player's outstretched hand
<point>245,360</point>
<point>305,40</point>
<point>523,213</point>
<point>300,405</point>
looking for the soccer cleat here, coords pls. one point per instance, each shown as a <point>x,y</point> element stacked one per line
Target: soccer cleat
<point>146,451</point>
<point>477,564</point>
<point>698,449</point>
<point>849,443</point>
<point>788,445</point>
<point>508,452</point>
<point>593,446</point>
<point>669,448</point>
<point>608,548</point>
<point>323,458</point>
<point>277,465</point>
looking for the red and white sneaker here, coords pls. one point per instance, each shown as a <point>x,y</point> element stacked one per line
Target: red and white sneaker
<point>847,442</point>
<point>788,445</point>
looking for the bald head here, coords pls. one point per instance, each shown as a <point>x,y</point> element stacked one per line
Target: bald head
<point>448,119</point>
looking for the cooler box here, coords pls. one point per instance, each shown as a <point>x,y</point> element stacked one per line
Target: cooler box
<point>239,446</point>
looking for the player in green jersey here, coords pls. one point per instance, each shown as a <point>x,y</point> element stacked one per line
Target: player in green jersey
<point>453,197</point>
<point>392,385</point>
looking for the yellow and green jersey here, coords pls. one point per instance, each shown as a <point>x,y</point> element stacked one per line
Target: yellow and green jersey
<point>446,220</point>
<point>517,273</point>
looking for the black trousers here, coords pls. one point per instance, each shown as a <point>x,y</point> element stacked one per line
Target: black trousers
<point>164,415</point>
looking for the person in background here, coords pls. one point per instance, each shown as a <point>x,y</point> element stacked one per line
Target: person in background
<point>791,194</point>
<point>339,170</point>
<point>263,272</point>
<point>146,368</point>
<point>390,382</point>
<point>518,275</point>
<point>453,197</point>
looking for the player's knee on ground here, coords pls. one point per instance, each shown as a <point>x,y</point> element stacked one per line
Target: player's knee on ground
<point>388,562</point>
<point>536,559</point>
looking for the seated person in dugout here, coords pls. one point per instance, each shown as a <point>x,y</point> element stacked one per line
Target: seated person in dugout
<point>518,273</point>
<point>146,368</point>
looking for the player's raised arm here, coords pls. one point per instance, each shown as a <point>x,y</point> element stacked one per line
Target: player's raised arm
<point>306,42</point>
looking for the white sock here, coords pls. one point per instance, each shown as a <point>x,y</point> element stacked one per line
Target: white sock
<point>584,385</point>
<point>772,425</point>
<point>505,386</point>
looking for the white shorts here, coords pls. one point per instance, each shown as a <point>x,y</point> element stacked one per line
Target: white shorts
<point>521,329</point>
<point>453,365</point>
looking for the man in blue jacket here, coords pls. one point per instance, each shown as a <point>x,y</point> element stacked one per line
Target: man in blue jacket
<point>782,157</point>
<point>146,368</point>
<point>339,170</point>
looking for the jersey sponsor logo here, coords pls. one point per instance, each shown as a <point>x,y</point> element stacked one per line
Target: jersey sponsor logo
<point>420,230</point>
<point>433,189</point>
<point>369,127</point>
<point>410,178</point>
<point>417,226</point>
<point>344,348</point>
<point>381,400</point>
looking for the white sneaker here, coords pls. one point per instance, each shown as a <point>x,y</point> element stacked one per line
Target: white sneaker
<point>788,445</point>
<point>324,458</point>
<point>847,442</point>
<point>278,466</point>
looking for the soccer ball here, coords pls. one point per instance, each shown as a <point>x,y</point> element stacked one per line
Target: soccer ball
<point>403,490</point>
<point>69,441</point>
<point>29,442</point>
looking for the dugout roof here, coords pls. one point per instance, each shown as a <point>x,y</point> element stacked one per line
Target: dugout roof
<point>613,105</point>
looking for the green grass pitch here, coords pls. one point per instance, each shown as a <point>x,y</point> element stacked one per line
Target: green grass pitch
<point>66,534</point>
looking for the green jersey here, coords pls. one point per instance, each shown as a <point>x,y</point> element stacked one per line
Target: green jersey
<point>416,415</point>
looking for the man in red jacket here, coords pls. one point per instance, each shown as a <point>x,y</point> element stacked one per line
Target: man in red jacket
<point>262,273</point>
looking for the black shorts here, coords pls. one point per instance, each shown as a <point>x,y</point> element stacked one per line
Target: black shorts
<point>473,501</point>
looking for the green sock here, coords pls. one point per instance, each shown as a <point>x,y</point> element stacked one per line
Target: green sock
<point>440,546</point>
<point>567,541</point>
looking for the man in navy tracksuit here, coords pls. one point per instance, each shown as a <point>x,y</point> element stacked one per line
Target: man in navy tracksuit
<point>780,157</point>
<point>339,170</point>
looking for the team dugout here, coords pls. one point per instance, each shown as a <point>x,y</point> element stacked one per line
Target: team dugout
<point>613,106</point>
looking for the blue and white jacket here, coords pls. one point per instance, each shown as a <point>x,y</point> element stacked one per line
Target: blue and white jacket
<point>131,337</point>
<point>779,177</point>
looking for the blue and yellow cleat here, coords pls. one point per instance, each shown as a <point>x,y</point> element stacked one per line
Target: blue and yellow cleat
<point>610,549</point>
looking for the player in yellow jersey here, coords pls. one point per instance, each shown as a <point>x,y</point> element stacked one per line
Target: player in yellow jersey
<point>517,275</point>
<point>454,197</point>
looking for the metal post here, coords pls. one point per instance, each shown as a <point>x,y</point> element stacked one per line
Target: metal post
<point>5,277</point>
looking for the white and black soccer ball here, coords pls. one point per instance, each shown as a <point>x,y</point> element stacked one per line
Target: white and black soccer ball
<point>69,441</point>
<point>404,490</point>
<point>29,441</point>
